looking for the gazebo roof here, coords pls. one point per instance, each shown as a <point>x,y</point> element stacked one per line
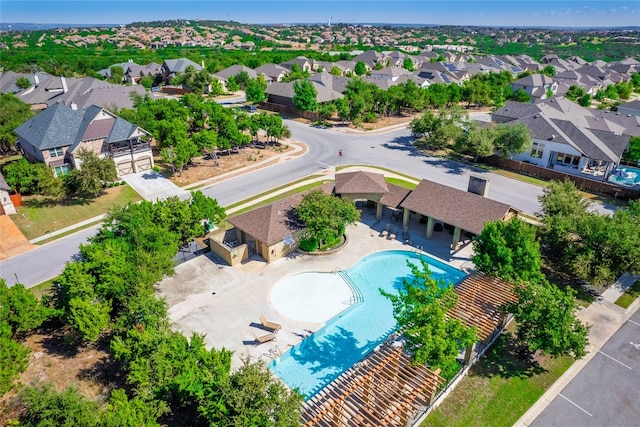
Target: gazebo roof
<point>360,182</point>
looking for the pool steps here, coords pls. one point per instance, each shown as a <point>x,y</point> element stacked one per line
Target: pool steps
<point>356,296</point>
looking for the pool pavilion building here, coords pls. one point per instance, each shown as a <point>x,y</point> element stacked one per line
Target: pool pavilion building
<point>273,231</point>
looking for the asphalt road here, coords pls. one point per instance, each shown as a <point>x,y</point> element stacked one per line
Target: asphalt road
<point>605,392</point>
<point>393,150</point>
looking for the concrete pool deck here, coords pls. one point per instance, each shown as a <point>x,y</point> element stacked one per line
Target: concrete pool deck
<point>225,303</point>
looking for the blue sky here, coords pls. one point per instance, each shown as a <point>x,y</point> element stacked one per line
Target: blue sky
<point>575,13</point>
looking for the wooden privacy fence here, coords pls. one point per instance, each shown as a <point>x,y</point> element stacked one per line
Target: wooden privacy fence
<point>584,184</point>
<point>285,109</point>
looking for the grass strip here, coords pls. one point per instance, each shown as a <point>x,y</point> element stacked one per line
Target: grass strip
<point>630,295</point>
<point>499,389</point>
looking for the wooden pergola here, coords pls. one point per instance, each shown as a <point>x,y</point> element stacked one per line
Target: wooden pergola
<point>384,389</point>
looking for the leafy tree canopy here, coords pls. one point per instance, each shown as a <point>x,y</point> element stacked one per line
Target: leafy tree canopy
<point>326,216</point>
<point>420,309</point>
<point>305,96</point>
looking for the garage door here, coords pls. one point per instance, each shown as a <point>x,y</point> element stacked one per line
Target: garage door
<point>125,168</point>
<point>143,164</point>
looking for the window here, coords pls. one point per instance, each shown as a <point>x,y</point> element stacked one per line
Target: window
<point>537,148</point>
<point>61,170</point>
<point>55,152</point>
<point>568,160</point>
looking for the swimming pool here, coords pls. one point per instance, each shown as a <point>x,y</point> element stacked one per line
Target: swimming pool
<point>320,358</point>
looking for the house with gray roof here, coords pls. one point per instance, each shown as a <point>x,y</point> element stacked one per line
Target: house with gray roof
<point>106,72</point>
<point>567,137</point>
<point>134,72</point>
<point>536,85</point>
<point>58,134</point>
<point>234,70</point>
<point>272,72</point>
<point>303,62</point>
<point>6,204</point>
<point>282,93</point>
<point>171,67</point>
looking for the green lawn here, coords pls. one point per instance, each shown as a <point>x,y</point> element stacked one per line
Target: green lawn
<point>499,389</point>
<point>44,288</point>
<point>629,296</point>
<point>35,219</point>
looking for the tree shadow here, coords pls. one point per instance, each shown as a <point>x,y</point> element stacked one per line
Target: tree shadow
<point>404,143</point>
<point>452,167</point>
<point>332,355</point>
<point>508,359</point>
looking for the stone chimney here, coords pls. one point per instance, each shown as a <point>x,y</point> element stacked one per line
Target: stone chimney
<point>478,185</point>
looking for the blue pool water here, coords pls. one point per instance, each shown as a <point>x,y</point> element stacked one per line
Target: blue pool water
<point>350,336</point>
<point>626,176</point>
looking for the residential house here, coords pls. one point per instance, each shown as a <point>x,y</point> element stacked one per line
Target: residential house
<point>301,61</point>
<point>106,72</point>
<point>6,204</point>
<point>282,93</point>
<point>389,73</point>
<point>58,134</point>
<point>567,137</point>
<point>536,85</point>
<point>272,72</point>
<point>8,80</point>
<point>134,73</point>
<point>234,70</point>
<point>171,67</point>
<point>630,108</point>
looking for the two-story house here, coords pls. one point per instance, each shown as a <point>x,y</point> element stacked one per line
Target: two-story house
<point>56,136</point>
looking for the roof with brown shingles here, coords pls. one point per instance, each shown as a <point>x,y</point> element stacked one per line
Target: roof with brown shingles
<point>469,211</point>
<point>395,196</point>
<point>270,223</point>
<point>275,221</point>
<point>360,182</point>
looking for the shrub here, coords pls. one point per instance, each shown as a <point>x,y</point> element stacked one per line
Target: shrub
<point>309,245</point>
<point>156,169</point>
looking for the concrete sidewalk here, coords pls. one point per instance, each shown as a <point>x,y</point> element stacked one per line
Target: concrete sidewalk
<point>605,318</point>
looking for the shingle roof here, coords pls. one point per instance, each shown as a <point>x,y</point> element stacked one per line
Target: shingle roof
<point>57,126</point>
<point>270,223</point>
<point>61,126</point>
<point>360,182</point>
<point>459,208</point>
<point>180,65</point>
<point>235,70</point>
<point>3,183</point>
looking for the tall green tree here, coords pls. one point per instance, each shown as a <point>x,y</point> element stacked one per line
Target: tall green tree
<point>512,138</point>
<point>509,250</point>
<point>89,181</point>
<point>326,216</point>
<point>305,96</point>
<point>13,113</point>
<point>546,319</point>
<point>360,68</point>
<point>421,310</point>
<point>476,141</point>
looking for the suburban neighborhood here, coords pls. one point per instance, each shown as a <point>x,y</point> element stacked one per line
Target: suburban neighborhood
<point>319,225</point>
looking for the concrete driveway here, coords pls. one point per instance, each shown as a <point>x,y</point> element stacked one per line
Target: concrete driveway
<point>153,186</point>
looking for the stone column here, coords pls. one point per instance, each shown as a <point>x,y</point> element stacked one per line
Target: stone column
<point>378,211</point>
<point>430,223</point>
<point>405,220</point>
<point>456,238</point>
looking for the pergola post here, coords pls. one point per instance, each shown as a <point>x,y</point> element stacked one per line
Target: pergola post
<point>405,220</point>
<point>378,211</point>
<point>430,223</point>
<point>468,354</point>
<point>456,238</point>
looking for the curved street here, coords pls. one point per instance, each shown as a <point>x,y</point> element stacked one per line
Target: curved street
<point>393,150</point>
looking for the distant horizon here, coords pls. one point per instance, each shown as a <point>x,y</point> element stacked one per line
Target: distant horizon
<point>578,14</point>
<point>267,24</point>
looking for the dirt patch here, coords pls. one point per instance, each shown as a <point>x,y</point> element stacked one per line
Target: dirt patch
<point>204,168</point>
<point>53,360</point>
<point>13,241</point>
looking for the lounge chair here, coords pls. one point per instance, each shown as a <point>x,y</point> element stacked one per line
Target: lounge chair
<point>384,233</point>
<point>275,327</point>
<point>264,338</point>
<point>392,236</point>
